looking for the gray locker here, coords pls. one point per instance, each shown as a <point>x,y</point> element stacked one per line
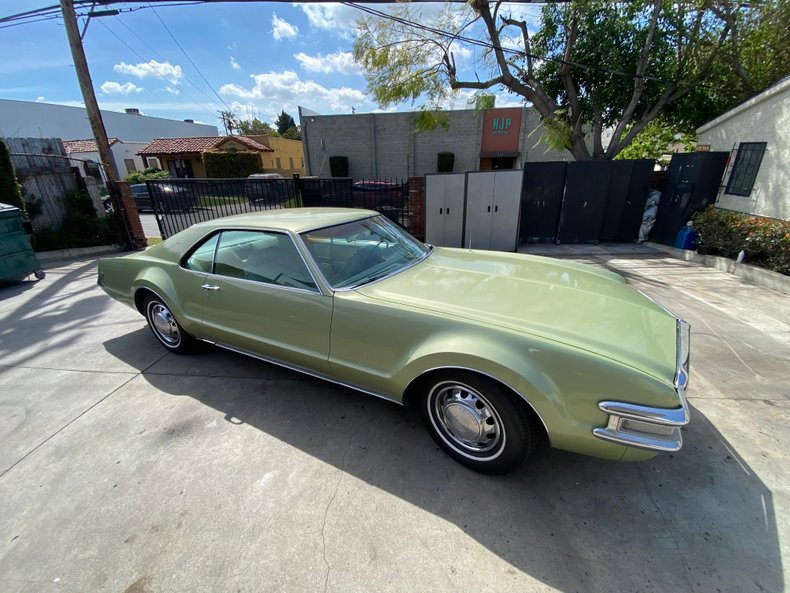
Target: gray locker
<point>444,209</point>
<point>493,201</point>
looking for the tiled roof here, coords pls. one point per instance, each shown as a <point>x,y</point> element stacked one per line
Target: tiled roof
<point>84,145</point>
<point>196,145</point>
<point>250,143</point>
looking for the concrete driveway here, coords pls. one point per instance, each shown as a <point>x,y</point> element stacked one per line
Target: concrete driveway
<point>126,469</point>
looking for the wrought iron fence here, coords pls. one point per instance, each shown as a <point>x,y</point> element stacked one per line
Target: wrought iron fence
<point>180,203</point>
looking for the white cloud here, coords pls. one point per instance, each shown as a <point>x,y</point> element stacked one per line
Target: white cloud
<point>332,17</point>
<point>341,62</point>
<point>165,70</point>
<point>234,64</point>
<point>116,88</point>
<point>172,91</point>
<point>273,91</point>
<point>40,99</point>
<point>282,29</point>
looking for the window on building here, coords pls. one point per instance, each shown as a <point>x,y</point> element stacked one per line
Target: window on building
<point>302,165</point>
<point>744,171</point>
<point>291,162</point>
<point>130,166</point>
<point>277,163</point>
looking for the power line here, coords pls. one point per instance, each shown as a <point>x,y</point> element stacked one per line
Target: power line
<point>161,57</point>
<point>155,73</point>
<point>186,55</point>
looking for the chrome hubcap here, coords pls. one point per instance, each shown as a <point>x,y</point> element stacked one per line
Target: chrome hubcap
<point>164,324</point>
<point>467,418</point>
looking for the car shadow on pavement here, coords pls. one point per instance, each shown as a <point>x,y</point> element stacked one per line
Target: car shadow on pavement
<point>697,520</point>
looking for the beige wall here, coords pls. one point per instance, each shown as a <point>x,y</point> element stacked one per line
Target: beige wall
<point>765,118</point>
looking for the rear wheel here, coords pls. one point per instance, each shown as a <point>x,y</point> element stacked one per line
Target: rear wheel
<point>165,327</point>
<point>476,421</point>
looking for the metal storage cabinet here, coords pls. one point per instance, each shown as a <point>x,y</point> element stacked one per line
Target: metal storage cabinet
<point>16,255</point>
<point>492,209</point>
<point>444,209</point>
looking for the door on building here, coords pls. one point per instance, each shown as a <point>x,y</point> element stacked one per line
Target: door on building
<point>497,163</point>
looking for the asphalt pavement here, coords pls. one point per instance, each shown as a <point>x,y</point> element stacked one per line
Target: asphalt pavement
<point>127,469</point>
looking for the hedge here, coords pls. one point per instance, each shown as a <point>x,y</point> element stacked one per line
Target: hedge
<point>766,241</point>
<point>241,163</point>
<point>10,192</point>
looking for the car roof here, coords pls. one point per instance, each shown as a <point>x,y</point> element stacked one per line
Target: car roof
<point>296,220</point>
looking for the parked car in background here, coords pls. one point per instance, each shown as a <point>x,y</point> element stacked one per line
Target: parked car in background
<point>170,197</point>
<point>269,189</point>
<point>498,351</point>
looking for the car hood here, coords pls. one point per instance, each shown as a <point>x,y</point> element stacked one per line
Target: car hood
<point>578,305</point>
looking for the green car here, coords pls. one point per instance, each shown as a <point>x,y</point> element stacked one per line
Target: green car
<point>499,351</point>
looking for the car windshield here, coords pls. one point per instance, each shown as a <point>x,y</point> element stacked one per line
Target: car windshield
<point>362,251</point>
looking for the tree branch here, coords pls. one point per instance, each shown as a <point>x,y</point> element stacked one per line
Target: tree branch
<point>639,82</point>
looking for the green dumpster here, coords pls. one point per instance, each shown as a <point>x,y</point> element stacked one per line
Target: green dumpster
<point>17,259</point>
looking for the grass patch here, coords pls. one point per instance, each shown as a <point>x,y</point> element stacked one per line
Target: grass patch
<point>212,201</point>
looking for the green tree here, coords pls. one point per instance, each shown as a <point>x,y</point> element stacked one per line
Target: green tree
<point>656,142</point>
<point>255,127</point>
<point>284,122</point>
<point>292,133</point>
<point>10,192</point>
<point>592,66</point>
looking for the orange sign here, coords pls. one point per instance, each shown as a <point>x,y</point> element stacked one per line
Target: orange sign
<point>501,132</point>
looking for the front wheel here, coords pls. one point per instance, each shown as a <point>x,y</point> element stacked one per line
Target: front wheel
<point>165,327</point>
<point>477,422</point>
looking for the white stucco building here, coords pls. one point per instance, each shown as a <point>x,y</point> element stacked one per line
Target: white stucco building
<point>85,155</point>
<point>757,179</point>
<point>27,119</point>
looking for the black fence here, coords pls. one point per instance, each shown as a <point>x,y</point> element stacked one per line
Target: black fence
<point>180,203</point>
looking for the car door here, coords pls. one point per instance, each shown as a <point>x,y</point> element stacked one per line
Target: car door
<point>261,298</point>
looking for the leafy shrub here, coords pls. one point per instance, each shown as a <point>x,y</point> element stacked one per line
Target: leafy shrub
<point>143,176</point>
<point>231,164</point>
<point>81,226</point>
<point>765,241</point>
<point>445,161</point>
<point>338,166</point>
<point>10,192</point>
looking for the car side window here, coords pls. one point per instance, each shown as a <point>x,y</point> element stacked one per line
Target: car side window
<point>202,258</point>
<point>267,257</point>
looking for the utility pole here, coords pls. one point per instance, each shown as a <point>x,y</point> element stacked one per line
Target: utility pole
<point>86,85</point>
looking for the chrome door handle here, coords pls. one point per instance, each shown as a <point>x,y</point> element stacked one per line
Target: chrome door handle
<point>209,287</point>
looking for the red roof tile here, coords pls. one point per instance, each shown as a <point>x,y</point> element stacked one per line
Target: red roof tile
<point>84,145</point>
<point>197,145</point>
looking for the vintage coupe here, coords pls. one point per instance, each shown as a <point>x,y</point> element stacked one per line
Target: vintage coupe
<point>498,350</point>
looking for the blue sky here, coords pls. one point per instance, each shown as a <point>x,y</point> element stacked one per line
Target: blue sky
<point>260,58</point>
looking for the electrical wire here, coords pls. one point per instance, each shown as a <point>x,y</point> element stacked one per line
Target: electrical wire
<point>186,55</point>
<point>161,57</point>
<point>135,52</point>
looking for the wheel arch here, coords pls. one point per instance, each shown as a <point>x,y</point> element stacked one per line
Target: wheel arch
<point>419,382</point>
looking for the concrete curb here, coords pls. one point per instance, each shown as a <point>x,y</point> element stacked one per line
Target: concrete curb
<point>45,257</point>
<point>753,274</point>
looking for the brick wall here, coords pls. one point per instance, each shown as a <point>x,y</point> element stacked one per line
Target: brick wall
<point>417,207</point>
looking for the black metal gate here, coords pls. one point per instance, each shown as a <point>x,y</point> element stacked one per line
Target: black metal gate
<point>180,203</point>
<point>584,202</point>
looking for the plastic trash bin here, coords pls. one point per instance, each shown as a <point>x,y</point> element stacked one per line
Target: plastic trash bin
<point>17,259</point>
